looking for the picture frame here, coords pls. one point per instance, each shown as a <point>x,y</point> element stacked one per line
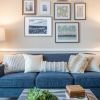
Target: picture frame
<point>80,11</point>
<point>45,8</point>
<point>60,9</point>
<point>38,26</point>
<point>67,32</point>
<point>29,7</point>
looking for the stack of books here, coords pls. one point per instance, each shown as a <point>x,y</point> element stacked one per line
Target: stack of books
<point>75,92</point>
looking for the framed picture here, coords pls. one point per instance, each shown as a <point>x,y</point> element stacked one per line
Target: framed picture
<point>67,32</point>
<point>38,26</point>
<point>44,8</point>
<point>62,11</point>
<point>80,11</point>
<point>29,7</point>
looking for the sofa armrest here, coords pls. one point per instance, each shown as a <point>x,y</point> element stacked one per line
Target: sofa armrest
<point>2,69</point>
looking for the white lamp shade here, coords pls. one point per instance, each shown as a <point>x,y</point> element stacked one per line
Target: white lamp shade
<point>2,34</point>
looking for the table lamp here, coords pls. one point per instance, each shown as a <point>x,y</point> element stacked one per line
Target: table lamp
<point>2,34</point>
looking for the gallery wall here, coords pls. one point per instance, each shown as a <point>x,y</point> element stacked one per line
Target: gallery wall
<point>12,20</point>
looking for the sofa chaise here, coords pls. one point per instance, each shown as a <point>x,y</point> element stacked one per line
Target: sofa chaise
<point>12,84</point>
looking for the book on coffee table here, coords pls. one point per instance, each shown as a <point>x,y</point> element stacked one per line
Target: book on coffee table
<point>75,91</point>
<point>75,98</point>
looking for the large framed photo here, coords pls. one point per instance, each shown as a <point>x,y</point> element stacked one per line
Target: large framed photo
<point>44,7</point>
<point>67,32</point>
<point>62,11</point>
<point>29,7</point>
<point>38,26</point>
<point>80,11</point>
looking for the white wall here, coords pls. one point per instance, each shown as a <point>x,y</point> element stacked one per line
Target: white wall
<point>12,19</point>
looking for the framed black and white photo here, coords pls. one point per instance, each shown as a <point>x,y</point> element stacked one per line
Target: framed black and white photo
<point>44,7</point>
<point>62,11</point>
<point>80,11</point>
<point>67,32</point>
<point>28,7</point>
<point>38,26</point>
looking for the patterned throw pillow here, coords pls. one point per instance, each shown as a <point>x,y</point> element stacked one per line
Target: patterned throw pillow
<point>94,64</point>
<point>14,63</point>
<point>77,63</point>
<point>54,66</point>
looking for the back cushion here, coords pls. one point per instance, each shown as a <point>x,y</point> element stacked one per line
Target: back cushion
<point>57,57</point>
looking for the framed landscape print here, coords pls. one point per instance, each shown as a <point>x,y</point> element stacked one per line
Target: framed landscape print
<point>28,7</point>
<point>67,32</point>
<point>62,11</point>
<point>38,26</point>
<point>44,8</point>
<point>80,11</point>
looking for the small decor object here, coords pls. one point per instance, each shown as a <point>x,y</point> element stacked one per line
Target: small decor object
<point>44,8</point>
<point>38,26</point>
<point>62,11</point>
<point>28,7</point>
<point>0,62</point>
<point>75,91</point>
<point>38,94</point>
<point>80,11</point>
<point>67,32</point>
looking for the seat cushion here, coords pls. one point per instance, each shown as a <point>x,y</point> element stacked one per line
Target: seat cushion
<point>88,79</point>
<point>18,80</point>
<point>53,79</point>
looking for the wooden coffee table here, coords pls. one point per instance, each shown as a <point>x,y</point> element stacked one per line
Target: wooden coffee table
<point>60,93</point>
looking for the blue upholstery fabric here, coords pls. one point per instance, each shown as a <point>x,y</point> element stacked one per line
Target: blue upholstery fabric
<point>1,70</point>
<point>10,92</point>
<point>53,80</point>
<point>88,79</point>
<point>96,91</point>
<point>18,80</point>
<point>57,57</point>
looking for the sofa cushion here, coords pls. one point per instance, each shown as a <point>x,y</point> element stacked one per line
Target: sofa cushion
<point>88,79</point>
<point>18,80</point>
<point>53,79</point>
<point>57,57</point>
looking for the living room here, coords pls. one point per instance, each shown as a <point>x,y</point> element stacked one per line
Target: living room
<point>56,33</point>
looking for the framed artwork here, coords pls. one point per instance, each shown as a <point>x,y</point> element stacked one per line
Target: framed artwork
<point>80,11</point>
<point>67,32</point>
<point>29,7</point>
<point>38,26</point>
<point>44,8</point>
<point>62,11</point>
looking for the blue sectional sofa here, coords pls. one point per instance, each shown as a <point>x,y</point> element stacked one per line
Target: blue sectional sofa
<point>12,84</point>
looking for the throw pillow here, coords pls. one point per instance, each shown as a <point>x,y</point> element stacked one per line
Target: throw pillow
<point>14,63</point>
<point>89,57</point>
<point>77,63</point>
<point>54,66</point>
<point>95,64</point>
<point>32,63</point>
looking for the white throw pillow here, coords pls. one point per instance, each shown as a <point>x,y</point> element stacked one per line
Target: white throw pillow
<point>77,63</point>
<point>14,63</point>
<point>54,66</point>
<point>95,64</point>
<point>32,63</point>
